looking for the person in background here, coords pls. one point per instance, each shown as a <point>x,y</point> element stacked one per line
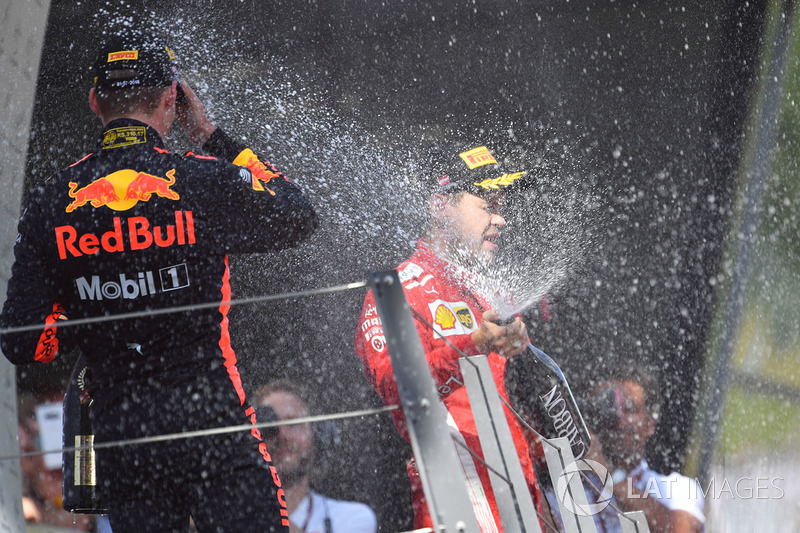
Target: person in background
<point>296,451</point>
<point>467,194</point>
<point>624,411</point>
<point>133,230</point>
<point>41,485</point>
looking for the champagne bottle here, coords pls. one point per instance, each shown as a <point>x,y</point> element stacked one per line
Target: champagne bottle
<point>79,483</point>
<point>539,392</point>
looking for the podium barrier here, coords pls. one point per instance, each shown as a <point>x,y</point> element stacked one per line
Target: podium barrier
<point>511,492</point>
<point>434,451</point>
<point>434,446</point>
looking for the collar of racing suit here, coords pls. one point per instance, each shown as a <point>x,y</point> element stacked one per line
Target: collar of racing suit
<point>469,282</point>
<point>124,132</point>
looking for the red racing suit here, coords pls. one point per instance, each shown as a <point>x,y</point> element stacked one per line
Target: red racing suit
<point>133,230</point>
<point>433,290</point>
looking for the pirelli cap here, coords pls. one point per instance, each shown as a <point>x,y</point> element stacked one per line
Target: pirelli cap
<point>133,59</point>
<point>472,169</point>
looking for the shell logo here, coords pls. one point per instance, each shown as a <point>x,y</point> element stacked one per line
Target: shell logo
<point>444,317</point>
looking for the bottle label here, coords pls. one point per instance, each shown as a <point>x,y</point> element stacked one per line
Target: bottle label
<point>563,424</point>
<point>84,461</point>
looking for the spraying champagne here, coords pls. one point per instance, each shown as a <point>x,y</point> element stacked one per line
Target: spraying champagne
<point>539,391</point>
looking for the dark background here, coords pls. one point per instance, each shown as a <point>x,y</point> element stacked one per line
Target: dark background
<point>640,106</point>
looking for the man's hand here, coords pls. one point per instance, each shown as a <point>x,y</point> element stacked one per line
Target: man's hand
<point>31,510</point>
<point>192,117</point>
<point>508,340</point>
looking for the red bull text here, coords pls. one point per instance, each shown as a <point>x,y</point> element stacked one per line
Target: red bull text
<point>139,236</point>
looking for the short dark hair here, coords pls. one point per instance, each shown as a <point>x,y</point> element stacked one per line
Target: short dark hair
<point>285,385</point>
<point>115,103</point>
<point>455,195</point>
<point>646,380</point>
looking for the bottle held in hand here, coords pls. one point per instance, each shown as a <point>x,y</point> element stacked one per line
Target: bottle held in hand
<point>539,391</point>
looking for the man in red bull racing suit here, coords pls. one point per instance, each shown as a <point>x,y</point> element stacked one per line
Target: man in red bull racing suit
<point>464,230</point>
<point>131,230</point>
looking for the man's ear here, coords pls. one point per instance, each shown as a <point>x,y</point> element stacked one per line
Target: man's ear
<point>437,204</point>
<point>650,429</point>
<point>172,95</point>
<point>93,103</point>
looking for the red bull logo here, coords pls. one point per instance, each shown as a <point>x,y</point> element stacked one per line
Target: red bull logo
<point>261,175</point>
<point>140,235</point>
<point>121,190</point>
<point>98,193</point>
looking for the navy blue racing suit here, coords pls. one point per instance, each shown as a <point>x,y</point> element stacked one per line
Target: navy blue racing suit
<point>130,230</point>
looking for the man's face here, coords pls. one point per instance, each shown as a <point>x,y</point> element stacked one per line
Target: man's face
<point>292,450</point>
<point>625,443</point>
<point>472,225</point>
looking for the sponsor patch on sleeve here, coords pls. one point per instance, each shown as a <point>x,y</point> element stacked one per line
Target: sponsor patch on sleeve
<point>372,329</point>
<point>451,318</point>
<point>410,271</point>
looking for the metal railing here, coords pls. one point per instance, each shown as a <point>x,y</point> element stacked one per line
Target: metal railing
<point>437,458</point>
<point>436,448</point>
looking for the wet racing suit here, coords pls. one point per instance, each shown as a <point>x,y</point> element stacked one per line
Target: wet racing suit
<point>434,290</point>
<point>131,230</point>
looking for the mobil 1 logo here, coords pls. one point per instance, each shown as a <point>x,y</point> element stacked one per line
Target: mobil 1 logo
<point>174,277</point>
<point>130,287</point>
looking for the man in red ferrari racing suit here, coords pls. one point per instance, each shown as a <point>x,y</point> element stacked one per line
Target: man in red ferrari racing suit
<point>465,227</point>
<point>132,230</point>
